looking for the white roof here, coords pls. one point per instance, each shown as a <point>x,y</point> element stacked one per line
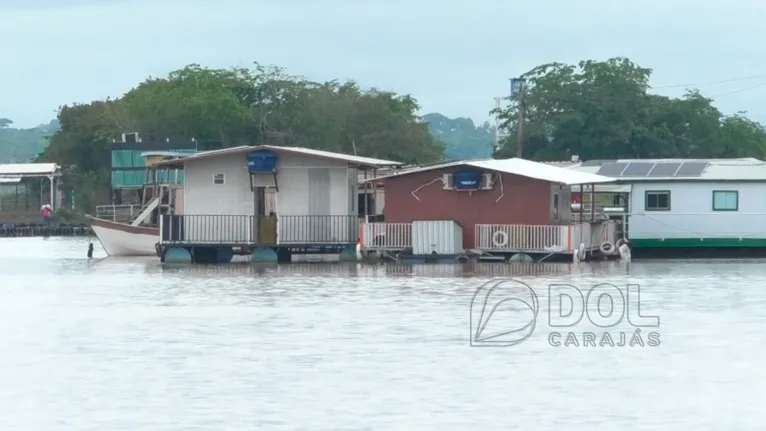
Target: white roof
<point>742,169</point>
<point>28,169</point>
<point>522,167</point>
<point>365,161</point>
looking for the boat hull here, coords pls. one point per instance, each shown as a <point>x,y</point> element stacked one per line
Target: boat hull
<point>121,239</point>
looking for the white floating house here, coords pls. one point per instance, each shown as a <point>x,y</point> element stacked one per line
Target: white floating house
<point>678,203</point>
<point>237,200</point>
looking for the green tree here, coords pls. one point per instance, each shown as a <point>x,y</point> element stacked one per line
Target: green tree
<point>603,110</point>
<point>462,138</point>
<point>262,105</point>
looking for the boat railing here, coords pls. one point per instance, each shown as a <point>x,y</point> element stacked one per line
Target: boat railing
<point>118,213</point>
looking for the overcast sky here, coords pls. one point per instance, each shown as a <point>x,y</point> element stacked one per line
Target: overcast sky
<point>454,56</point>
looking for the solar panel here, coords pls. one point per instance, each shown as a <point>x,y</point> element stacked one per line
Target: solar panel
<point>637,170</point>
<point>593,163</point>
<point>691,169</point>
<point>611,169</point>
<point>664,169</point>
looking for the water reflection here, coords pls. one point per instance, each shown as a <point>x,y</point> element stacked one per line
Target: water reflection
<point>511,269</point>
<point>131,344</point>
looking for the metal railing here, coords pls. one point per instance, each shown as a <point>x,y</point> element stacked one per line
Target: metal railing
<point>118,213</point>
<point>315,229</point>
<point>518,237</point>
<point>263,230</point>
<point>386,236</point>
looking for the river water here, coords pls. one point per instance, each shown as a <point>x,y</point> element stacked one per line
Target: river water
<point>129,344</point>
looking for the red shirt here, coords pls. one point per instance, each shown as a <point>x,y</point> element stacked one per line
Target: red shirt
<point>46,212</point>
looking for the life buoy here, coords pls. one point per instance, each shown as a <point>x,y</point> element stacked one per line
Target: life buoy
<point>606,247</point>
<point>500,239</point>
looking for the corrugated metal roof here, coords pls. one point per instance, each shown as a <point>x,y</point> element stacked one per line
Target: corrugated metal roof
<point>363,161</point>
<point>742,169</point>
<point>28,169</point>
<point>522,167</point>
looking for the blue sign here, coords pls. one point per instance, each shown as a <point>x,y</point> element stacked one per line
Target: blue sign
<point>261,161</point>
<point>466,180</point>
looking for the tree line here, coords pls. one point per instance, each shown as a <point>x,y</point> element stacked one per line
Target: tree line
<point>604,110</point>
<point>238,106</point>
<point>594,109</point>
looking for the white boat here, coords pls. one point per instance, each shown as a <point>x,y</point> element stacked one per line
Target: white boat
<point>139,236</point>
<point>122,239</point>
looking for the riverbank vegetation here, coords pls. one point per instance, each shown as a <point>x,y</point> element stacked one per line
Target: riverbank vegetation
<point>606,110</point>
<point>262,105</point>
<point>595,110</point>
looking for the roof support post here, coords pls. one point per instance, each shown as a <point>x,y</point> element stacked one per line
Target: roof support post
<point>53,192</point>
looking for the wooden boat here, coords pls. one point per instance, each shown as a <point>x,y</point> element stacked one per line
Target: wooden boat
<point>132,230</point>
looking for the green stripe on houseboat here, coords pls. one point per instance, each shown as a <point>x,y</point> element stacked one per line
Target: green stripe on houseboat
<point>699,242</point>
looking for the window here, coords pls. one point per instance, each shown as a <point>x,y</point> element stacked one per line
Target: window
<point>725,200</point>
<point>219,179</point>
<point>658,201</point>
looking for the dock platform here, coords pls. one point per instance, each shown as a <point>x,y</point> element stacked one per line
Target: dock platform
<point>10,230</point>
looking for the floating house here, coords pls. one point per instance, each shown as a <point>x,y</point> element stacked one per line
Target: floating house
<point>679,203</point>
<point>271,203</point>
<point>503,207</point>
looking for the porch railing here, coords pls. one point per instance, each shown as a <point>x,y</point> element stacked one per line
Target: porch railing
<point>263,230</point>
<point>315,229</point>
<point>517,237</point>
<point>386,236</point>
<point>118,213</point>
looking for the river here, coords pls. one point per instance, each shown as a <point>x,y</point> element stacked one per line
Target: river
<point>130,344</point>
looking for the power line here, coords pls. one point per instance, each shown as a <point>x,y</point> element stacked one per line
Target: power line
<point>701,84</point>
<point>741,90</point>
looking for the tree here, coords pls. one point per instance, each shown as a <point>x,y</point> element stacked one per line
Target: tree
<point>262,105</point>
<point>462,138</point>
<point>603,110</point>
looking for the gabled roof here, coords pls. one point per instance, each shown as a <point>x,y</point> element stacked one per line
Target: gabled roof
<point>28,169</point>
<point>356,160</point>
<point>521,167</point>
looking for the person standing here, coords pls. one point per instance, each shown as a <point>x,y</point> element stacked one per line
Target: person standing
<point>46,215</point>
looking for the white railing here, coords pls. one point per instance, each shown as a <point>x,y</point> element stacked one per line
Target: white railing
<point>386,236</point>
<point>118,213</point>
<point>530,238</point>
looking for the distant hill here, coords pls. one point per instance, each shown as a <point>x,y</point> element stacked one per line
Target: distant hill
<point>463,139</point>
<point>23,145</point>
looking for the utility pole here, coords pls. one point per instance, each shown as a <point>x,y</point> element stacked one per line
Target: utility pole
<point>517,92</point>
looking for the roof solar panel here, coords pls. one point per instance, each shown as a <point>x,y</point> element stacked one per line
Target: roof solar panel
<point>611,169</point>
<point>595,162</point>
<point>691,169</point>
<point>664,169</point>
<point>637,170</point>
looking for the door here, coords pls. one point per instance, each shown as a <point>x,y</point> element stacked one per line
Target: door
<point>319,224</point>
